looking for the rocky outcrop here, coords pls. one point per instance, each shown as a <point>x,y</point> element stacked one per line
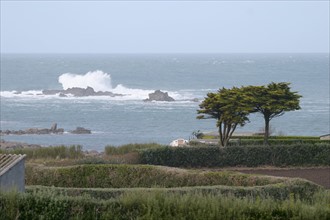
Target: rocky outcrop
<point>79,92</point>
<point>159,96</point>
<point>81,130</point>
<point>52,130</point>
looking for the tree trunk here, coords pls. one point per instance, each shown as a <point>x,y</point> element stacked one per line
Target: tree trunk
<point>267,120</point>
<point>220,135</point>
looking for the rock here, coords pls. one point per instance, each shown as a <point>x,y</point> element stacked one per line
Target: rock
<point>81,130</point>
<point>159,96</point>
<point>79,92</point>
<point>52,130</point>
<point>51,92</point>
<point>54,127</point>
<point>89,91</point>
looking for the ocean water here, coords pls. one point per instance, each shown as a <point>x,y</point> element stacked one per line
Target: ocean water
<point>127,119</point>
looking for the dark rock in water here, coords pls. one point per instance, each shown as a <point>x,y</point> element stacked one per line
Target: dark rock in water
<point>51,92</point>
<point>159,96</point>
<point>52,130</point>
<point>89,91</point>
<point>79,92</point>
<point>195,100</point>
<point>81,130</point>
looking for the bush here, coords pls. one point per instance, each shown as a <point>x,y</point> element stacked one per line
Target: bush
<point>121,176</point>
<point>129,148</point>
<point>250,156</point>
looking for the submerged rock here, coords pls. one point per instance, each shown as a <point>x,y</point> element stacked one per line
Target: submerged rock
<point>159,96</point>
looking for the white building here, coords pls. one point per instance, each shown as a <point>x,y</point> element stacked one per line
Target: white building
<point>179,143</point>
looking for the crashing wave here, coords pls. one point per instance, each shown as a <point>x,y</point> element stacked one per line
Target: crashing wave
<point>93,85</point>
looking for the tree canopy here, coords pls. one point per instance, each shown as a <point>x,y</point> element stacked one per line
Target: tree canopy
<point>272,101</point>
<point>231,107</point>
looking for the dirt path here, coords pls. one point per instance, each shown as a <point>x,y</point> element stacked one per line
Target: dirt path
<point>317,175</point>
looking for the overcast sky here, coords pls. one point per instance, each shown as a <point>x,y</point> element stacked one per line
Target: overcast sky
<point>164,27</point>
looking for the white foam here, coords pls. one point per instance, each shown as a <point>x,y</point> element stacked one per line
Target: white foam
<point>131,94</point>
<point>24,94</point>
<point>98,80</point>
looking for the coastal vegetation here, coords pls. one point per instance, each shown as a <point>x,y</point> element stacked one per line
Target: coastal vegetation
<point>250,156</point>
<point>52,152</point>
<point>160,205</point>
<point>231,107</point>
<point>272,101</point>
<point>67,182</point>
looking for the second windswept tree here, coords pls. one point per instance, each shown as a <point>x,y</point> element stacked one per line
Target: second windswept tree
<point>229,107</point>
<point>272,101</point>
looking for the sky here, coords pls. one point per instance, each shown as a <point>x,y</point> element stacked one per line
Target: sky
<point>164,26</point>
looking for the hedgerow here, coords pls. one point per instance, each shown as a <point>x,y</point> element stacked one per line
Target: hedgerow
<point>250,156</point>
<point>295,187</point>
<point>126,176</point>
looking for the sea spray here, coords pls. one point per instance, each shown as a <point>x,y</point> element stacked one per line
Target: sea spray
<point>98,80</point>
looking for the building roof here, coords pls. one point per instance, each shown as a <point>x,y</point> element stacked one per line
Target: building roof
<point>7,161</point>
<point>325,135</point>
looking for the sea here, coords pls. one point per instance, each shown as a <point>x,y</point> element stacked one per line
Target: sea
<point>128,119</point>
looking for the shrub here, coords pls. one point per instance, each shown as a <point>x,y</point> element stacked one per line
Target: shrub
<point>250,156</point>
<point>129,148</point>
<point>121,176</point>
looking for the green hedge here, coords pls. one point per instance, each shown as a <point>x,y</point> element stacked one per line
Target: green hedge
<point>158,205</point>
<point>128,148</point>
<point>278,141</point>
<point>296,187</point>
<point>121,176</point>
<point>250,156</point>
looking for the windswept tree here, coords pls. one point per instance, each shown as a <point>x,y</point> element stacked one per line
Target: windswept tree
<point>229,108</point>
<point>272,101</point>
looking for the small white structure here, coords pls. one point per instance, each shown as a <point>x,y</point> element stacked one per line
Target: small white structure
<point>179,143</point>
<point>325,137</point>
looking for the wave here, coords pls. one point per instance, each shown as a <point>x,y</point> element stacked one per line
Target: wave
<point>100,82</point>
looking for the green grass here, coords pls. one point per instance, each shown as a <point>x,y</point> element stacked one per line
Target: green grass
<point>160,205</point>
<point>55,152</point>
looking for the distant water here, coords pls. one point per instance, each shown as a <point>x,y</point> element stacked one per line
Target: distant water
<point>127,119</point>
